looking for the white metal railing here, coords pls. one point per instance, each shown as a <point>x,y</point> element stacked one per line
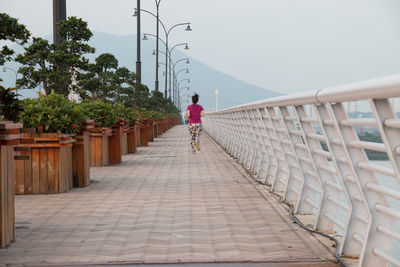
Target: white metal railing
<point>306,147</point>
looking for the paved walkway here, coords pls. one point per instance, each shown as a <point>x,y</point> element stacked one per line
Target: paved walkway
<point>162,205</point>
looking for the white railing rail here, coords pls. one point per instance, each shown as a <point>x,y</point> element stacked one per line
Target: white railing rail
<point>306,147</point>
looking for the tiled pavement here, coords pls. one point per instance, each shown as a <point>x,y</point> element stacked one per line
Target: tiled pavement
<point>161,205</point>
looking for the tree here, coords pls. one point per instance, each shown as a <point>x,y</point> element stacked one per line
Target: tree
<point>122,77</point>
<point>12,31</point>
<point>98,82</point>
<point>53,66</point>
<point>37,68</point>
<point>159,103</point>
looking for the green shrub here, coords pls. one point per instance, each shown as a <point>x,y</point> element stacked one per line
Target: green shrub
<point>101,112</point>
<point>52,113</point>
<point>10,106</point>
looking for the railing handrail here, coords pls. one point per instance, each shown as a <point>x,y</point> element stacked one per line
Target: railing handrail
<point>388,86</point>
<point>308,148</point>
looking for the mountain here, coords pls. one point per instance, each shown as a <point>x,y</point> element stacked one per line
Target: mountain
<point>203,79</point>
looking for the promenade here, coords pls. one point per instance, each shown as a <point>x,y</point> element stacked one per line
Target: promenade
<point>163,205</point>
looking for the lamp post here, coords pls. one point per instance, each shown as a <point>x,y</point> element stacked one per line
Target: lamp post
<point>157,27</point>
<point>169,57</point>
<point>185,87</point>
<point>16,76</point>
<point>167,32</point>
<point>170,54</point>
<point>59,14</point>
<point>174,76</point>
<point>177,98</point>
<point>177,89</point>
<point>180,100</point>
<point>170,51</point>
<point>138,62</point>
<point>154,52</point>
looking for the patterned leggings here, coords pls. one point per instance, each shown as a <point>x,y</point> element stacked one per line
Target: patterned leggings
<point>195,131</point>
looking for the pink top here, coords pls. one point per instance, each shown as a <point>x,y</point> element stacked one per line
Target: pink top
<point>195,113</point>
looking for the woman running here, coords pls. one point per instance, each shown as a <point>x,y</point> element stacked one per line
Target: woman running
<point>194,113</point>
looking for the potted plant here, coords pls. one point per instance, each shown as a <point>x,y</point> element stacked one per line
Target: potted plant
<point>104,115</point>
<point>56,120</point>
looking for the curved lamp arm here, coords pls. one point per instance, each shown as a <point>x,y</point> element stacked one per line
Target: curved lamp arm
<point>187,61</point>
<point>186,47</point>
<point>151,13</point>
<point>182,81</point>
<point>155,36</point>
<point>187,71</point>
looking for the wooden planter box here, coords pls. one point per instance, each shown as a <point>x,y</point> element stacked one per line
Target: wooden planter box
<point>155,131</point>
<point>137,134</point>
<point>115,142</point>
<point>131,139</point>
<point>125,130</point>
<point>9,136</point>
<point>143,135</point>
<point>99,146</point>
<point>165,125</point>
<point>159,127</point>
<point>81,156</point>
<point>150,134</point>
<point>49,169</point>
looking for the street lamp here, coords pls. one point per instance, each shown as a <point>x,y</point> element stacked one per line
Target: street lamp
<point>185,87</point>
<point>187,71</point>
<point>178,95</point>
<point>174,76</point>
<point>168,57</point>
<point>138,62</point>
<point>167,32</point>
<point>158,19</point>
<point>180,99</point>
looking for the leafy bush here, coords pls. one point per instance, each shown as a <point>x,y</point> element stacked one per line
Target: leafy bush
<point>104,113</point>
<point>125,113</point>
<point>10,106</point>
<point>52,113</point>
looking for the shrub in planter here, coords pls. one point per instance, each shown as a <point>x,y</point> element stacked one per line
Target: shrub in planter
<point>10,106</point>
<point>49,169</point>
<point>103,113</point>
<point>52,114</point>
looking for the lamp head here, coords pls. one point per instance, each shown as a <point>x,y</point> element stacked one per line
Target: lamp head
<point>187,61</point>
<point>187,71</point>
<point>154,52</point>
<point>145,37</point>
<point>186,47</point>
<point>188,28</point>
<point>135,13</point>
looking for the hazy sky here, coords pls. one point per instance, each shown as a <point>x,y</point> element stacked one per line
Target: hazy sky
<point>283,45</point>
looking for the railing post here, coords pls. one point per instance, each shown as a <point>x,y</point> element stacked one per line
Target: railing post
<point>250,153</point>
<point>299,157</point>
<point>263,146</point>
<point>281,182</point>
<point>358,216</point>
<point>275,170</point>
<point>366,176</point>
<point>256,164</point>
<point>325,208</point>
